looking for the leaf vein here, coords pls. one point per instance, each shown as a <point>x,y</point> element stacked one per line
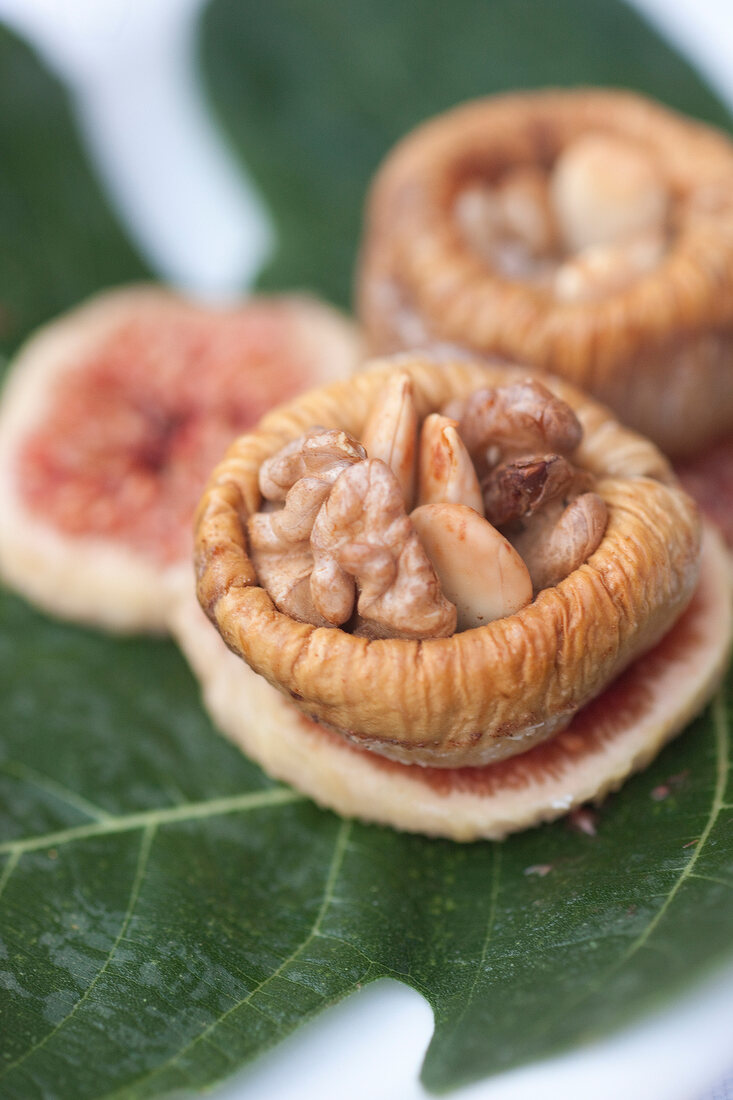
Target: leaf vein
<point>15,769</point>
<point>712,878</point>
<point>490,924</point>
<point>642,940</point>
<point>140,869</point>
<point>8,870</point>
<point>328,892</point>
<point>346,943</point>
<point>190,811</point>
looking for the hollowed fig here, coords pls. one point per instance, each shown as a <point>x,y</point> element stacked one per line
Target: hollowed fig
<point>481,694</point>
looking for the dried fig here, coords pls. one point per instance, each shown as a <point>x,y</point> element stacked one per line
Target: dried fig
<point>485,693</point>
<point>586,232</point>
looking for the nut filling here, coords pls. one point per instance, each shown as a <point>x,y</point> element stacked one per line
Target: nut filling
<point>503,512</point>
<point>598,219</point>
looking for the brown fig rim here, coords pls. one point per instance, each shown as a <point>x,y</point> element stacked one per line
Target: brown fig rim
<point>618,733</point>
<point>97,578</point>
<point>483,693</point>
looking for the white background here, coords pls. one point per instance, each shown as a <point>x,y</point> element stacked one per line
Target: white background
<point>202,228</point>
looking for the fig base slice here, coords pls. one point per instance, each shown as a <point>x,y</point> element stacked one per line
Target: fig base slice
<point>111,419</point>
<point>708,477</point>
<point>616,734</point>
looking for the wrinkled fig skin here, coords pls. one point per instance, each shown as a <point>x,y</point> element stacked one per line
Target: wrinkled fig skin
<point>559,539</point>
<point>608,741</point>
<point>390,433</point>
<point>363,541</point>
<point>521,419</point>
<point>482,694</point>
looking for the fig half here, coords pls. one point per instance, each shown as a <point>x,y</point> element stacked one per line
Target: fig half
<point>110,421</point>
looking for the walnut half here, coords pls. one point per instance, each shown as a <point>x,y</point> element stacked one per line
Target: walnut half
<point>363,540</point>
<point>301,475</point>
<point>343,538</point>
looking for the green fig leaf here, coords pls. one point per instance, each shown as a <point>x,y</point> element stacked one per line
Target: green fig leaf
<point>166,911</point>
